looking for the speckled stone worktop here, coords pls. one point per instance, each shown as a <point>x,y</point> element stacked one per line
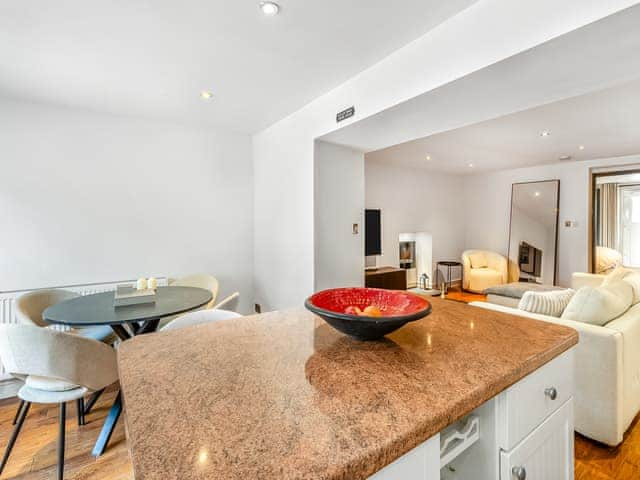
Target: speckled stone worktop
<point>284,396</point>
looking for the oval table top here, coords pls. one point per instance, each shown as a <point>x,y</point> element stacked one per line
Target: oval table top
<point>98,309</point>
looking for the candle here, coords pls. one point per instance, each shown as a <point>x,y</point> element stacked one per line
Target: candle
<point>141,284</point>
<point>152,283</point>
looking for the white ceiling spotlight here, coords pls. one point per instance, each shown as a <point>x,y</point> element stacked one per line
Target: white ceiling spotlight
<point>206,95</point>
<point>545,133</point>
<point>580,147</point>
<point>471,165</point>
<point>269,8</point>
<point>537,194</point>
<point>428,157</point>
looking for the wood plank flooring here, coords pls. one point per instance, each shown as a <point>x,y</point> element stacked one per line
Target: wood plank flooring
<point>35,453</point>
<point>34,456</point>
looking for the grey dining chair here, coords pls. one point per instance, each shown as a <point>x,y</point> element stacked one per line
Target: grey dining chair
<point>29,308</point>
<point>57,367</point>
<point>199,317</point>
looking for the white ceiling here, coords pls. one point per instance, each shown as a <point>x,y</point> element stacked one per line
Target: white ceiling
<point>605,123</point>
<point>581,86</point>
<point>152,58</point>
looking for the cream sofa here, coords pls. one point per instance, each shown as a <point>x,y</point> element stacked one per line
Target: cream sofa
<point>483,269</point>
<point>607,377</point>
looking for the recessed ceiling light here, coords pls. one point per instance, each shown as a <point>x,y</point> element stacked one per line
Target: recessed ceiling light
<point>545,133</point>
<point>564,157</point>
<point>580,147</point>
<point>471,165</point>
<point>537,194</point>
<point>269,8</point>
<point>206,94</point>
<point>428,157</point>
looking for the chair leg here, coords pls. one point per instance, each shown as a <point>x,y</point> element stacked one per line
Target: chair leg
<point>80,408</point>
<point>63,414</point>
<point>92,400</point>
<point>15,419</point>
<point>14,435</point>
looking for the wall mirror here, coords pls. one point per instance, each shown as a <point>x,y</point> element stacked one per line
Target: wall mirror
<point>533,230</point>
<point>615,237</point>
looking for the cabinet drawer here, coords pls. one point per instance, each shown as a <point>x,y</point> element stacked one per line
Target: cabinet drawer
<point>546,454</point>
<point>525,405</point>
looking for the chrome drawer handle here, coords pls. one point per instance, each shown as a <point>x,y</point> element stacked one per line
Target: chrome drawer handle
<point>519,473</point>
<point>551,392</point>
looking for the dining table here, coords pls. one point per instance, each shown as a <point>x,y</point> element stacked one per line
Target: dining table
<point>126,322</point>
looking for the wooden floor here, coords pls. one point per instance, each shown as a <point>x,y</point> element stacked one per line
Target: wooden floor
<point>34,456</point>
<point>599,462</point>
<point>462,296</point>
<point>35,453</point>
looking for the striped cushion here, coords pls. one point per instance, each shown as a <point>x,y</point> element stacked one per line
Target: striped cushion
<point>546,303</point>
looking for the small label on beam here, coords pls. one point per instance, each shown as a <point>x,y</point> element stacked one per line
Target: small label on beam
<point>343,115</point>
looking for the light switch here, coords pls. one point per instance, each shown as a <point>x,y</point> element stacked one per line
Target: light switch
<point>354,229</point>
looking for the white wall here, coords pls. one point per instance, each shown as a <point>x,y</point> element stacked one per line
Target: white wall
<point>416,200</point>
<point>92,197</point>
<point>339,203</point>
<point>283,153</point>
<point>490,194</point>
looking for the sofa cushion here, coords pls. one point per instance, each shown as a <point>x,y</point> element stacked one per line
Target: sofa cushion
<point>49,384</point>
<point>546,303</point>
<point>478,260</point>
<point>633,279</point>
<point>617,273</point>
<point>599,305</point>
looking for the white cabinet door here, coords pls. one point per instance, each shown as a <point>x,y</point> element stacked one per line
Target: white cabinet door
<point>546,454</point>
<point>421,463</point>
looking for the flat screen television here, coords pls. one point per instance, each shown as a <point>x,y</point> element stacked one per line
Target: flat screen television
<point>530,259</point>
<point>372,232</point>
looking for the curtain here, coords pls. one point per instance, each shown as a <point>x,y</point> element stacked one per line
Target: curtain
<point>608,215</point>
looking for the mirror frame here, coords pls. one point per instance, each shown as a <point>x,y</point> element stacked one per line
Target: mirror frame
<point>592,212</point>
<point>555,253</point>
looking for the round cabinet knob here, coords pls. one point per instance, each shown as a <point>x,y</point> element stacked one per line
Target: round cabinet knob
<point>519,473</point>
<point>551,392</point>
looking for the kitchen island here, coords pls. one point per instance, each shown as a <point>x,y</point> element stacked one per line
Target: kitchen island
<point>282,395</point>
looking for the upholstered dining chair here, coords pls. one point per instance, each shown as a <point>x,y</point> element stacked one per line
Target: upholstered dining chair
<point>200,316</point>
<point>200,280</point>
<point>57,367</point>
<point>29,309</point>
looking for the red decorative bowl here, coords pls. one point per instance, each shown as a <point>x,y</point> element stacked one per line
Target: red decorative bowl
<point>396,309</point>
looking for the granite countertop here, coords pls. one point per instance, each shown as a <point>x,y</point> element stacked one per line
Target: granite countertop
<point>283,395</point>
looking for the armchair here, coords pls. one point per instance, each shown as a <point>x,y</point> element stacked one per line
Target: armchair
<point>483,269</point>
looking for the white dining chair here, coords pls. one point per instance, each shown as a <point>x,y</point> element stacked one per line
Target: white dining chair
<point>56,367</point>
<point>199,317</point>
<point>200,280</point>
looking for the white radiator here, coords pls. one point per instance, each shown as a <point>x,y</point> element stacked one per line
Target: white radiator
<point>7,301</point>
